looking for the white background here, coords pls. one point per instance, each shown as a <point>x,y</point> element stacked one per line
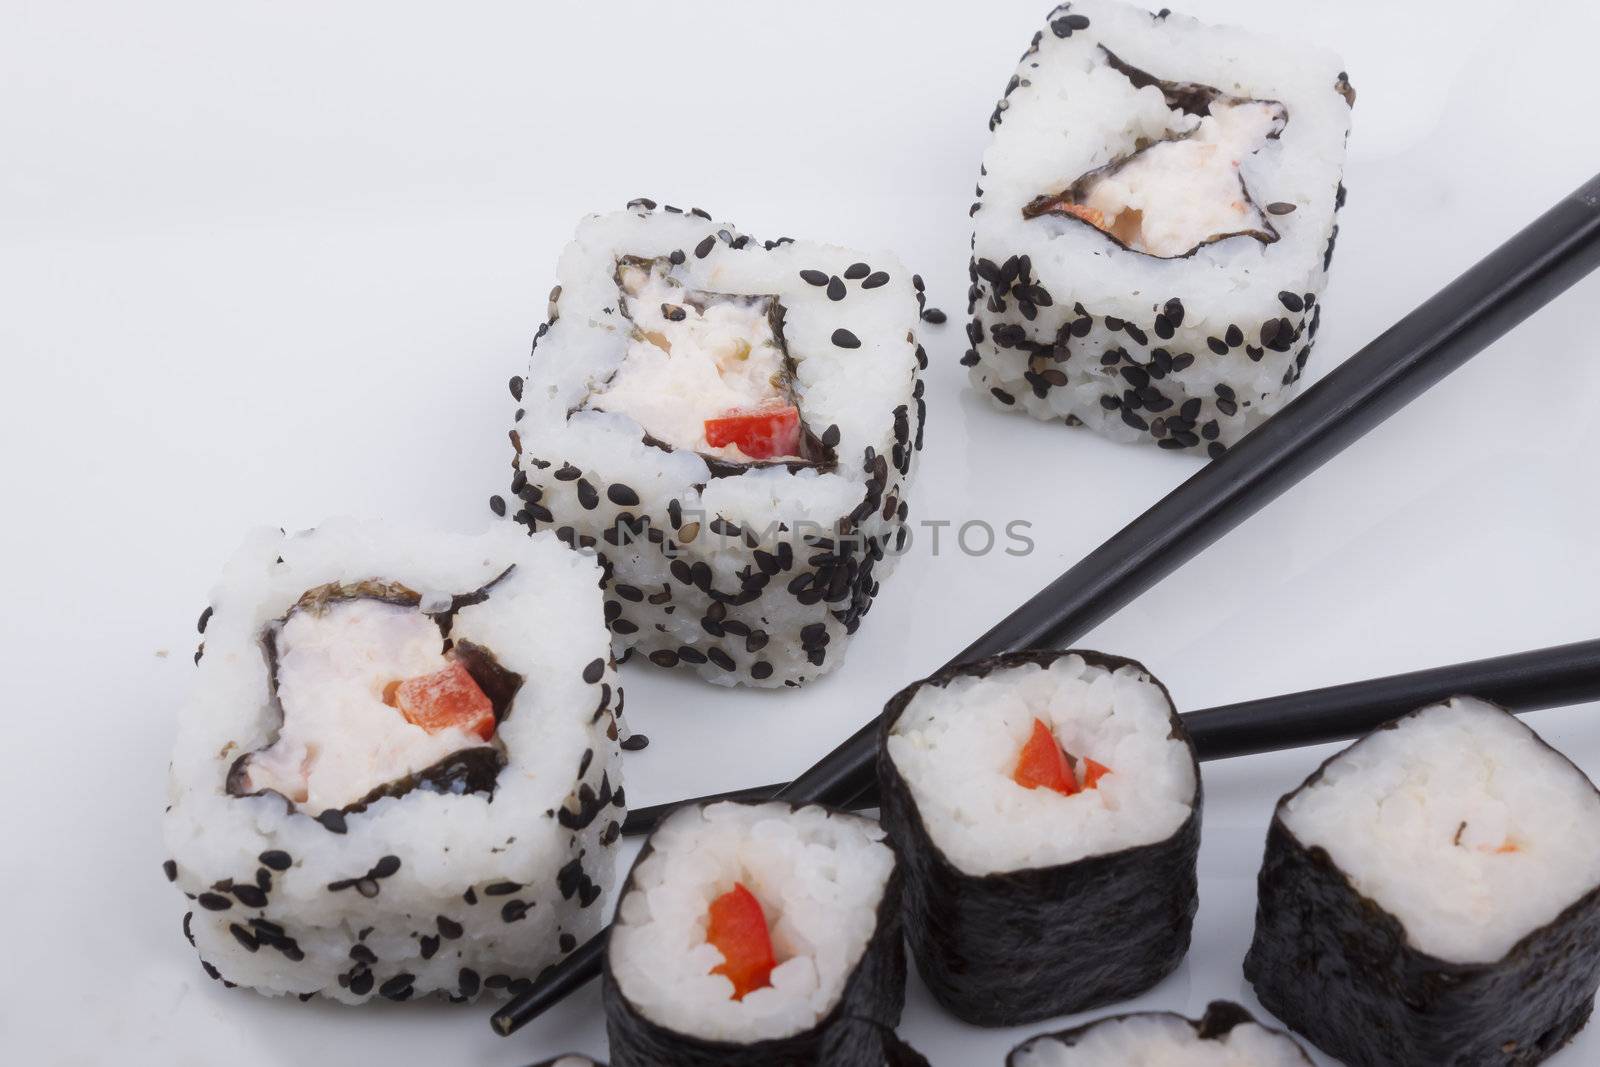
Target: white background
<point>261,263</point>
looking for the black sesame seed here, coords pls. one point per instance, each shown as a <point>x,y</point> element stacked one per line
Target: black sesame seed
<point>277,859</point>
<point>703,249</point>
<point>214,902</point>
<point>516,386</point>
<point>1292,301</point>
<point>567,942</point>
<point>171,870</point>
<point>673,313</point>
<point>385,867</point>
<point>250,896</point>
<point>875,279</point>
<point>621,495</point>
<point>934,315</point>
<point>469,982</point>
<point>333,821</point>
<point>449,928</point>
<point>836,288</point>
<point>497,504</point>
<point>845,339</point>
<point>514,911</point>
<point>760,669</point>
<point>594,670</point>
<point>634,742</point>
<point>1234,337</point>
<point>1217,345</point>
<point>814,277</point>
<point>1278,207</point>
<point>857,270</point>
<point>501,889</point>
<point>396,988</point>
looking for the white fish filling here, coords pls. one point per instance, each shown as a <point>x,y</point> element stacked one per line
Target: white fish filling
<point>1461,824</point>
<point>1163,1041</point>
<point>957,749</point>
<point>1178,194</point>
<point>339,739</point>
<point>819,878</point>
<point>686,364</point>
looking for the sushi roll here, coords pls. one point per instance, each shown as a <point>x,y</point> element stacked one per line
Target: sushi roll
<point>1154,225</point>
<point>1431,895</point>
<point>1226,1036</point>
<point>763,935</point>
<point>398,771</point>
<point>1045,807</point>
<point>732,426</point>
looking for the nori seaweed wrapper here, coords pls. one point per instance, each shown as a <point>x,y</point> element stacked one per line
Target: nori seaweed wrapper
<point>1337,968</point>
<point>1219,1020</point>
<point>857,1032</point>
<point>1019,946</point>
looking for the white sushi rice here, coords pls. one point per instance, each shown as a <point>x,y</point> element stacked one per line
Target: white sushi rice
<point>1460,823</point>
<point>791,606</point>
<point>1158,1040</point>
<point>819,876</point>
<point>957,748</point>
<point>425,892</point>
<point>1076,348</point>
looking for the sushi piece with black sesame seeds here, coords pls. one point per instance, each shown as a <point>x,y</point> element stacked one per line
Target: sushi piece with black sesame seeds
<point>734,433</point>
<point>390,723</point>
<point>1160,195</point>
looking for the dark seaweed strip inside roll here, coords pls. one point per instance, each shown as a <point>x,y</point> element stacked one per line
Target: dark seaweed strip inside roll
<point>469,770</point>
<point>858,1031</point>
<point>1018,946</point>
<point>814,453</point>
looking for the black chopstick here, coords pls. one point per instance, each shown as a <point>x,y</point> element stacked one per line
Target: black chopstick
<point>1465,317</point>
<point>1522,682</point>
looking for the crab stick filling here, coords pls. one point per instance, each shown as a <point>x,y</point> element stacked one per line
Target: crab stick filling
<point>1044,764</point>
<point>1173,196</point>
<point>705,372</point>
<point>736,926</point>
<point>369,696</point>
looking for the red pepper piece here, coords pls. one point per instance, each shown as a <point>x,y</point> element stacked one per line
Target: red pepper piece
<point>1093,772</point>
<point>1043,765</point>
<point>444,699</point>
<point>760,433</point>
<point>738,929</point>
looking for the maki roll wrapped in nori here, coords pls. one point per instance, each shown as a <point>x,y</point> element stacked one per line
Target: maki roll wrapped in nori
<point>757,935</point>
<point>1431,895</point>
<point>732,426</point>
<point>1154,225</point>
<point>1226,1036</point>
<point>398,771</point>
<point>1046,810</point>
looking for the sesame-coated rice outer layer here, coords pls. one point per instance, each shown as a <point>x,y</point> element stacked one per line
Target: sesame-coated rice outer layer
<point>1191,352</point>
<point>753,574</point>
<point>443,893</point>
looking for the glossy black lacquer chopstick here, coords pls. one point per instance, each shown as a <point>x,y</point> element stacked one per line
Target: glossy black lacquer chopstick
<point>1523,682</point>
<point>1463,318</point>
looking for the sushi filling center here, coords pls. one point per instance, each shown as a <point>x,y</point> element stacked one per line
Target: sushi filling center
<point>1000,772</point>
<point>371,693</point>
<point>705,372</point>
<point>736,926</point>
<point>1169,198</point>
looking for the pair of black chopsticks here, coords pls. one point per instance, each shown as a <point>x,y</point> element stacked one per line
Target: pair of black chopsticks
<point>1466,316</point>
